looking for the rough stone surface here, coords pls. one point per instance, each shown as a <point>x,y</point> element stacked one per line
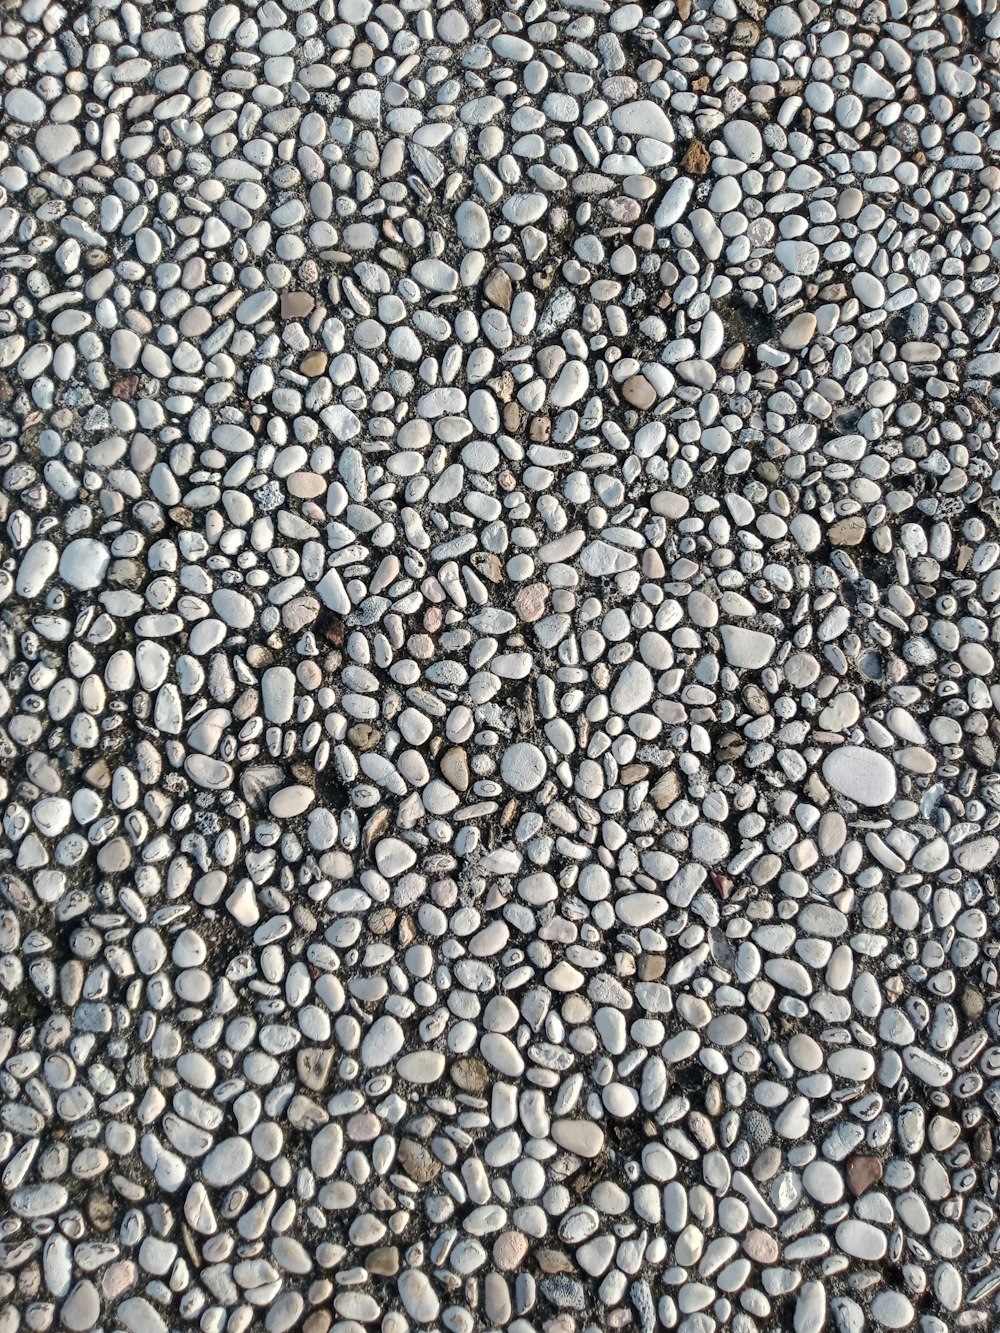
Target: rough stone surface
<point>499,584</point>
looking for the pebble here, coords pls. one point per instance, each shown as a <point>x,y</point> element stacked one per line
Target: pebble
<point>497,698</point>
<point>861,775</point>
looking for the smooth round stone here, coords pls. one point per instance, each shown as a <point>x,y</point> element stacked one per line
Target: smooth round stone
<point>747,648</point>
<point>633,689</point>
<point>862,775</point>
<point>801,257</point>
<point>234,608</point>
<point>38,564</point>
<point>585,1138</point>
<point>726,195</point>
<point>810,1309</point>
<point>798,333</point>
<point>394,857</point>
<point>421,1066</point>
<point>25,106</point>
<point>572,384</point>
<point>277,689</point>
<point>823,1182</point>
<point>473,225</point>
<point>227,1161</point>
<point>54,142</point>
<point>743,139</point>
<point>891,1309</point>
<point>861,1240</point>
<point>382,1042</point>
<point>84,563</point>
<point>709,843</point>
<point>81,1308</point>
<point>326,1150</point>
<point>523,766</point>
<point>291,801</point>
<point>418,1296</point>
<point>208,772</point>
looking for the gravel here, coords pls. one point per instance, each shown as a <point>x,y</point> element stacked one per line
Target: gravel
<point>498,668</point>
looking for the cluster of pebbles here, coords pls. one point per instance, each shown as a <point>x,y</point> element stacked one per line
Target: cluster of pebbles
<point>500,574</point>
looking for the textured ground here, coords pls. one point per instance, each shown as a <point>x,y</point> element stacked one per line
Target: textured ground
<point>500,573</point>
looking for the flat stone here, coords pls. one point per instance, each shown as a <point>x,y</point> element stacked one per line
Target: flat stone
<point>523,766</point>
<point>227,1162</point>
<point>862,775</point>
<point>419,1299</point>
<point>382,1042</point>
<point>82,1307</point>
<point>585,1138</point>
<point>84,564</point>
<point>862,1172</point>
<point>138,1316</point>
<point>747,648</point>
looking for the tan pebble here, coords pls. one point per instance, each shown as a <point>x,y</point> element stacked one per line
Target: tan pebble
<point>696,160</point>
<point>800,331</point>
<point>418,1162</point>
<point>509,1249</point>
<point>530,601</point>
<point>848,531</point>
<point>639,392</point>
<point>314,363</point>
<point>296,305</point>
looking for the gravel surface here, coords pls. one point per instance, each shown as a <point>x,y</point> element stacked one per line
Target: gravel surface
<point>499,605</point>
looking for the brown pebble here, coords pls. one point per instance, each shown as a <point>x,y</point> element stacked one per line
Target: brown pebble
<point>513,416</point>
<point>498,289</point>
<point>639,392</point>
<point>101,1211</point>
<point>313,1066</point>
<point>363,737</point>
<point>982,1145</point>
<point>862,1173</point>
<point>554,1261</point>
<point>455,768</point>
<point>666,790</point>
<point>695,161</point>
<point>470,1075</point>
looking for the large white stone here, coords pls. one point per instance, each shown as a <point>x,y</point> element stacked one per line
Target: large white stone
<point>84,564</point>
<point>37,566</point>
<point>418,1296</point>
<point>382,1042</point>
<point>227,1161</point>
<point>644,120</point>
<point>393,857</point>
<point>633,688</point>
<point>749,648</point>
<point>522,766</point>
<point>861,775</point>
